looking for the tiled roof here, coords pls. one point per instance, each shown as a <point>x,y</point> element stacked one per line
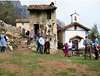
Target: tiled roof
<point>76,37</point>
<point>74,23</point>
<point>22,20</point>
<point>42,7</point>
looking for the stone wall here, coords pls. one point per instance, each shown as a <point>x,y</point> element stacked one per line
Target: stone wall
<point>9,28</point>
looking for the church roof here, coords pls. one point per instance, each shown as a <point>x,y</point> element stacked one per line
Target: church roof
<point>76,37</point>
<point>42,7</point>
<point>74,23</point>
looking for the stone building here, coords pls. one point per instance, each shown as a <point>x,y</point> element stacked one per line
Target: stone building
<point>22,23</point>
<point>43,18</point>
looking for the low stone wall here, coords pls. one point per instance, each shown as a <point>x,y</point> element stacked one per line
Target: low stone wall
<point>9,28</point>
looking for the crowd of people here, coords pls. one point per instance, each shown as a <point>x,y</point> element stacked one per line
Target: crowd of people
<point>69,48</point>
<point>43,45</point>
<point>89,46</point>
<point>26,33</point>
<point>29,34</point>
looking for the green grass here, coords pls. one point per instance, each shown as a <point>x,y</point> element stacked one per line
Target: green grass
<point>85,75</point>
<point>30,62</point>
<point>62,74</point>
<point>8,74</point>
<point>2,60</point>
<point>73,70</point>
<point>2,73</point>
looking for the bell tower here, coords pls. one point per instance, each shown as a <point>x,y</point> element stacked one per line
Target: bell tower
<point>74,17</point>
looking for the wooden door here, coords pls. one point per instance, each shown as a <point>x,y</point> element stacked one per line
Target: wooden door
<point>76,44</point>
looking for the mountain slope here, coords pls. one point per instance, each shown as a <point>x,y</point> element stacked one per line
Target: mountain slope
<point>21,11</point>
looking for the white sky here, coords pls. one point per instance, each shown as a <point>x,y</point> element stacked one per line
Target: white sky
<point>88,10</point>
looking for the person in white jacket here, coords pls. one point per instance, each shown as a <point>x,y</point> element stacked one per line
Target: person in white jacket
<point>42,42</point>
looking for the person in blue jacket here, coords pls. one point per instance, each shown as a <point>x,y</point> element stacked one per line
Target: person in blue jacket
<point>3,40</point>
<point>96,43</point>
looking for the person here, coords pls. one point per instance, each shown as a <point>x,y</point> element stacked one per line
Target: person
<point>88,43</point>
<point>31,34</point>
<point>23,32</point>
<point>96,43</point>
<point>47,46</point>
<point>37,34</point>
<point>38,44</point>
<point>45,50</point>
<point>30,38</point>
<point>73,48</point>
<point>27,33</point>
<point>42,42</point>
<point>70,48</point>
<point>3,40</point>
<point>66,50</point>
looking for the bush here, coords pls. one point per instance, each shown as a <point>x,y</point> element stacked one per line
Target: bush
<point>2,29</point>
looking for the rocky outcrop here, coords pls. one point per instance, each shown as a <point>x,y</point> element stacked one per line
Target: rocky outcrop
<point>21,11</point>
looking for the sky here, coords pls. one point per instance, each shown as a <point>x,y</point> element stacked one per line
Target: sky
<point>88,10</point>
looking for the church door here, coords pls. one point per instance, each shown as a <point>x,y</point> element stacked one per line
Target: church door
<point>76,44</point>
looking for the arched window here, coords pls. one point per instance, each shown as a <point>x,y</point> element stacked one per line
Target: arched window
<point>75,18</point>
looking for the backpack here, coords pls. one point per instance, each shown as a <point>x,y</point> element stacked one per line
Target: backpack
<point>37,41</point>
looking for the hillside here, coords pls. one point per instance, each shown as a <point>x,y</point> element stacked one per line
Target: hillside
<point>12,10</point>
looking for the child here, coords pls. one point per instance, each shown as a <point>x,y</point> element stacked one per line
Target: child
<point>66,50</point>
<point>70,48</point>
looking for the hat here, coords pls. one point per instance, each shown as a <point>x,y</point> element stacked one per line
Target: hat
<point>3,32</point>
<point>31,29</point>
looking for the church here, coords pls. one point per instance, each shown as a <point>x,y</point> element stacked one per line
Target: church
<point>74,32</point>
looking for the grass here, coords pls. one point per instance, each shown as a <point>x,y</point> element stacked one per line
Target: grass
<point>71,70</point>
<point>62,74</point>
<point>85,75</point>
<point>8,74</point>
<point>30,62</point>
